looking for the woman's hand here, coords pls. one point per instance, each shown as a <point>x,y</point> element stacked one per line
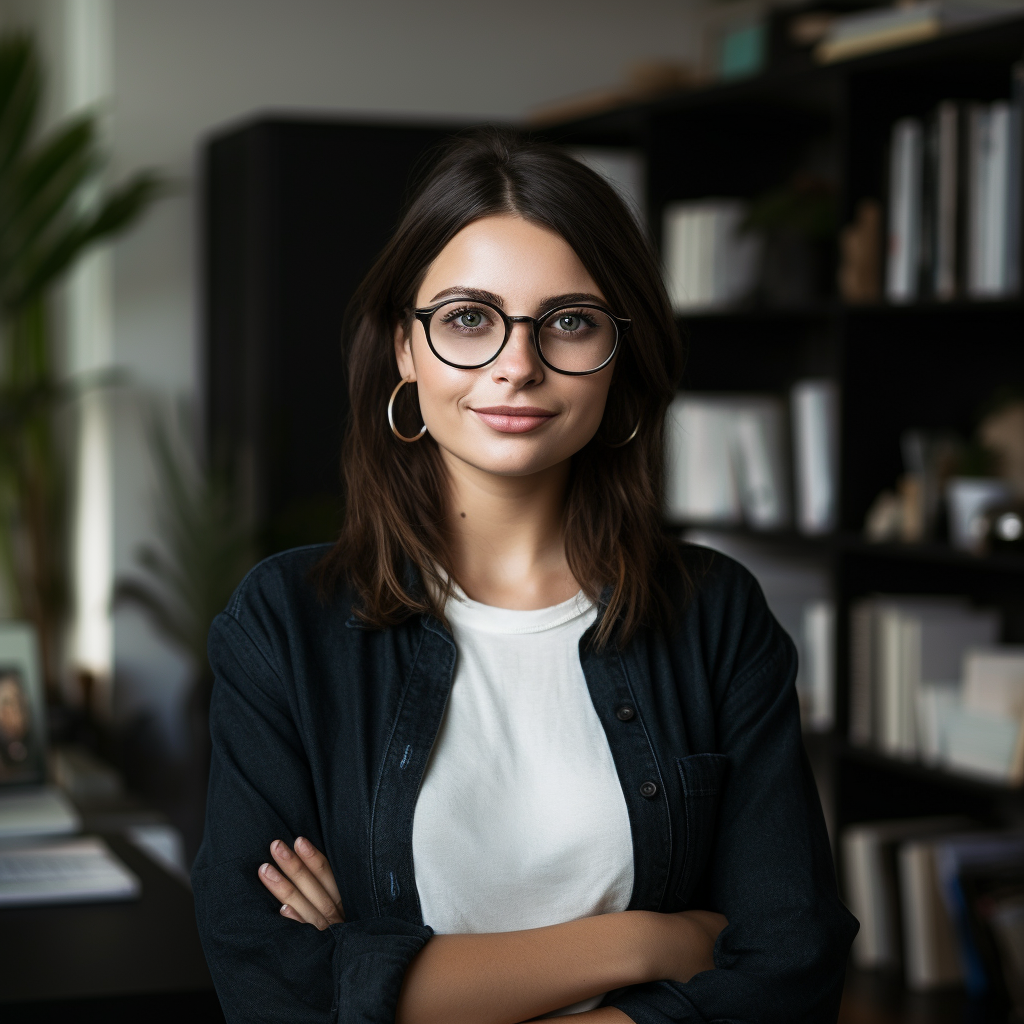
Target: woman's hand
<point>685,943</point>
<point>304,885</point>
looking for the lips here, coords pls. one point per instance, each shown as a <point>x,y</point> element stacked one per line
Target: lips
<point>514,419</point>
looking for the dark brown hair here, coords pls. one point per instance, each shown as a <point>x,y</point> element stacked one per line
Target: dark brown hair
<point>397,493</point>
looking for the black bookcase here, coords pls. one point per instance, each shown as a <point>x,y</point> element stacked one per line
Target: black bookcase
<point>925,365</point>
<point>295,212</point>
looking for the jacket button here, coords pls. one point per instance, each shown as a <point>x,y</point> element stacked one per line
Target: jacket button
<point>625,713</point>
<point>648,789</point>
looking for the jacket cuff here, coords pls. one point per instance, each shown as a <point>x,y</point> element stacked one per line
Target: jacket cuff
<point>370,961</point>
<point>654,1003</point>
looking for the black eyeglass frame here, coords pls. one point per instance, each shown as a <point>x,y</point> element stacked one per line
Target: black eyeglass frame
<point>621,327</point>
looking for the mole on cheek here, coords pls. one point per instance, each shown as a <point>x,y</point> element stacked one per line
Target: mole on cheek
<point>463,514</point>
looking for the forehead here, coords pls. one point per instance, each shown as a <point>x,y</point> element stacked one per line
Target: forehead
<point>510,256</point>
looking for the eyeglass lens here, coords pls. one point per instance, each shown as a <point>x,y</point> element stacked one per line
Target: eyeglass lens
<point>574,338</point>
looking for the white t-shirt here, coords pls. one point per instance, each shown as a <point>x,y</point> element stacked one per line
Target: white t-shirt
<point>520,820</point>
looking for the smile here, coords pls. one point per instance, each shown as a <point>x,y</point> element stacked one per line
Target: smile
<point>512,419</point>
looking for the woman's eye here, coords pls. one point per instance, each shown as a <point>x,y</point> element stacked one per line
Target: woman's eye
<point>470,319</point>
<point>570,322</point>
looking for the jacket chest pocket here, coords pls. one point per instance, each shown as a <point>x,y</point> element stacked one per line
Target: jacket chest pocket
<point>703,777</point>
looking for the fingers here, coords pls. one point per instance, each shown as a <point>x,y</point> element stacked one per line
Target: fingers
<point>294,905</point>
<point>304,883</point>
<point>321,870</point>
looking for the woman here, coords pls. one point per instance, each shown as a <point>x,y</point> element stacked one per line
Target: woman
<point>552,760</point>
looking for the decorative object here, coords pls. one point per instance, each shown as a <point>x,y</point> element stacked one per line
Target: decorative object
<point>22,720</point>
<point>968,499</point>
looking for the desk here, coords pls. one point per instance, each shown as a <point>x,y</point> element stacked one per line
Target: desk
<point>109,962</point>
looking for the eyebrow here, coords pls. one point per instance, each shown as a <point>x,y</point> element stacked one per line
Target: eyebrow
<point>482,295</point>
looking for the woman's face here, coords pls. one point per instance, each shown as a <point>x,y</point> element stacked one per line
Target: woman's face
<point>514,416</point>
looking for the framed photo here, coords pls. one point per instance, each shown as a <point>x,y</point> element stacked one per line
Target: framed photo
<point>22,713</point>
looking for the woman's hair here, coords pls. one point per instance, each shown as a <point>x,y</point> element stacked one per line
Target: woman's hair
<point>397,493</point>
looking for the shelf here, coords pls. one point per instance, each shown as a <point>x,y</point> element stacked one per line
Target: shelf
<point>798,84</point>
<point>877,997</point>
<point>919,772</point>
<point>813,311</point>
<point>942,554</point>
<point>827,309</point>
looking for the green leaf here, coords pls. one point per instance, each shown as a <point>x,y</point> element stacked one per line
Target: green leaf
<point>20,92</point>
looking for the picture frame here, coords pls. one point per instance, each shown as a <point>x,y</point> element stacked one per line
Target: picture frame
<point>22,707</point>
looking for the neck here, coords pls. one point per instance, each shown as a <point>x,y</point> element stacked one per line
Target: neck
<point>507,536</point>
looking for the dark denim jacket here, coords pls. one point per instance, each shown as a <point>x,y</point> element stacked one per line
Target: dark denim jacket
<point>322,728</point>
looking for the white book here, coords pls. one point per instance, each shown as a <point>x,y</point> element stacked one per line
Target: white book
<point>700,476</point>
<point>983,743</point>
<point>997,233</point>
<point>930,953</point>
<point>870,884</point>
<point>978,182</point>
<point>815,416</point>
<point>906,168</point>
<point>759,435</point>
<point>901,647</point>
<point>819,644</point>
<point>709,262</point>
<point>994,680</point>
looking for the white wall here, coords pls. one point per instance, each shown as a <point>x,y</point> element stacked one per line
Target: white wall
<point>183,68</point>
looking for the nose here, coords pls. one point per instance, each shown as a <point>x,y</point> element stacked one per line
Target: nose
<point>518,363</point>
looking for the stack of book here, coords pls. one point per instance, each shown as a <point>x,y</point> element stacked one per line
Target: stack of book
<point>941,902</point>
<point>954,209</point>
<point>884,28</point>
<point>731,459</point>
<point>928,682</point>
<point>709,261</point>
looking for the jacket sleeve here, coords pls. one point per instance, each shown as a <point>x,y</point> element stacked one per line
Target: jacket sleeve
<point>782,957</point>
<point>264,967</point>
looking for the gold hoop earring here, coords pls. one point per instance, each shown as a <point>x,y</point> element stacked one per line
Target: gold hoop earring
<point>391,415</point>
<point>622,444</point>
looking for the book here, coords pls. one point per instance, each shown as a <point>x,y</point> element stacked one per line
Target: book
<point>985,733</point>
<point>759,438</point>
<point>700,478</point>
<point>987,889</point>
<point>709,261</point>
<point>952,855</point>
<point>903,651</point>
<point>1007,923</point>
<point>931,956</point>
<point>870,883</point>
<point>906,186</point>
<point>726,460</point>
<point>816,684</point>
<point>815,418</point>
<point>884,28</point>
<point>945,203</point>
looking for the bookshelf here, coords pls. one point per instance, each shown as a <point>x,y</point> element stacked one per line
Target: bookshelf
<point>924,364</point>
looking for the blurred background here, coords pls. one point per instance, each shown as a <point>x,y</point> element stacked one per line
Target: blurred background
<point>189,194</point>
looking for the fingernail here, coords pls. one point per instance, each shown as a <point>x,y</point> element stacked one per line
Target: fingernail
<point>284,909</point>
<point>303,846</point>
<point>270,874</point>
<point>281,849</point>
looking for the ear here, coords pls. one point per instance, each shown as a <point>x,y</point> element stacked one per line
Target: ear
<point>403,353</point>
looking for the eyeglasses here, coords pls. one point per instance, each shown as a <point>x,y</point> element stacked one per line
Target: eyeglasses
<point>575,339</point>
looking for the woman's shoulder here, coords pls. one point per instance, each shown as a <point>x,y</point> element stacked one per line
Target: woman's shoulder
<point>719,607</point>
<point>288,586</point>
<point>709,578</point>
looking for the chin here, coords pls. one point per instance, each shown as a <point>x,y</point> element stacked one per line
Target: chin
<point>528,459</point>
